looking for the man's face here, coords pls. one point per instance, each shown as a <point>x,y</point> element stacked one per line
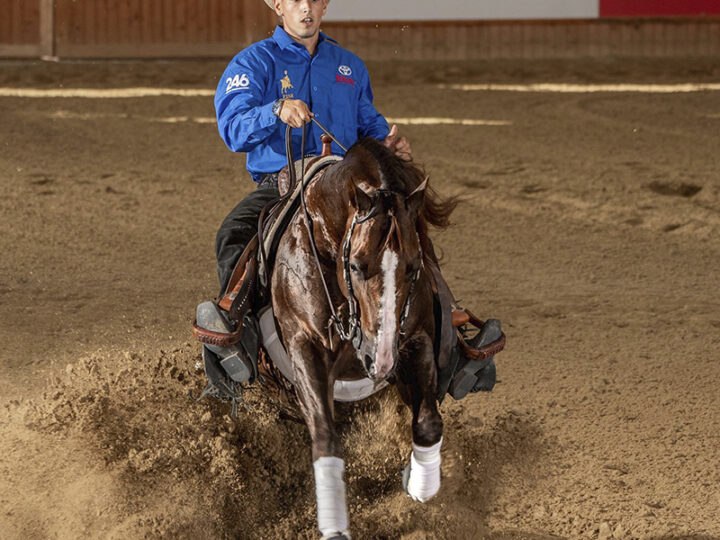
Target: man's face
<point>301,18</point>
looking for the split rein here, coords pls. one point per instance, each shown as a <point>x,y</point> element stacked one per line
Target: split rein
<point>353,332</point>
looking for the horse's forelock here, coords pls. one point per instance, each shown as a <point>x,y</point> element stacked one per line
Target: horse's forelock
<point>402,177</point>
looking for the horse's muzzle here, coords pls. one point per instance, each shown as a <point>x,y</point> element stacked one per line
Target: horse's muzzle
<point>378,361</point>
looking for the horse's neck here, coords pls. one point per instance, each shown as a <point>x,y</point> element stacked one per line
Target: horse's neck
<point>328,207</point>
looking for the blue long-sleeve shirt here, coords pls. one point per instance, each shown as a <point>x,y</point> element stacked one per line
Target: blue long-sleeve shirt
<point>334,83</point>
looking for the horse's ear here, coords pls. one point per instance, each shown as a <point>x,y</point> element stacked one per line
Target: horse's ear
<point>415,199</point>
<point>359,199</point>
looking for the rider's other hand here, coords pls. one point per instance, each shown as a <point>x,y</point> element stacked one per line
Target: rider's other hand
<point>402,149</point>
<point>399,145</point>
<point>295,113</point>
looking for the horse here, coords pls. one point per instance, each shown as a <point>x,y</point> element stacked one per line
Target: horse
<point>351,284</point>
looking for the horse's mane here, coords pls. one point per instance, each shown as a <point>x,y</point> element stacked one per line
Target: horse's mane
<point>403,177</point>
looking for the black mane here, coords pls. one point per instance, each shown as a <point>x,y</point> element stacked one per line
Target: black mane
<point>403,177</point>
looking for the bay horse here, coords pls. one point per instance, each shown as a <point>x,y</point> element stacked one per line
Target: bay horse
<point>354,301</point>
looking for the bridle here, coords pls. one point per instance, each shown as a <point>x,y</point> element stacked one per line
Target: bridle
<point>353,333</point>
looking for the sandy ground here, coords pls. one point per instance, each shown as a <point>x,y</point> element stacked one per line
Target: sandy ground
<point>590,226</point>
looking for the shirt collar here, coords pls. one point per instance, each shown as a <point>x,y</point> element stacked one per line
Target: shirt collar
<point>283,39</point>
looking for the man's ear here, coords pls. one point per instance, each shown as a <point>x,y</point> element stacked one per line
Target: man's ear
<point>278,11</point>
<point>415,199</point>
<point>359,199</point>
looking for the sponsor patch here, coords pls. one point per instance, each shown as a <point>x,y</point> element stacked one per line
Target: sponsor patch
<point>344,80</point>
<point>238,82</point>
<point>345,70</point>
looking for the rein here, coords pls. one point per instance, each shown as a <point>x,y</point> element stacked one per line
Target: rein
<point>354,332</point>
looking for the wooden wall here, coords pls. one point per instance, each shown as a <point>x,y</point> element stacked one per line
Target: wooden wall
<point>158,28</point>
<point>19,28</point>
<point>219,28</point>
<point>471,40</point>
<point>137,28</point>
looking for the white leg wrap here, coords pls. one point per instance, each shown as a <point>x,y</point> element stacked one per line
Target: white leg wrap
<point>424,481</point>
<point>330,495</point>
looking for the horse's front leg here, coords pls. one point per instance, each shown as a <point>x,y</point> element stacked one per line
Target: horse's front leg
<point>417,383</point>
<point>314,390</point>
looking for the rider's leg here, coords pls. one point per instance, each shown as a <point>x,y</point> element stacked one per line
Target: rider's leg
<point>237,229</point>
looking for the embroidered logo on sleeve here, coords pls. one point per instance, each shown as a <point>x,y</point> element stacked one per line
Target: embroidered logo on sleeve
<point>238,82</point>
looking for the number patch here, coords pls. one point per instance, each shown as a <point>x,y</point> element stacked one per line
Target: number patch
<point>238,82</point>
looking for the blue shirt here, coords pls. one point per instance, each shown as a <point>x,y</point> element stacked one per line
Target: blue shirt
<point>334,83</point>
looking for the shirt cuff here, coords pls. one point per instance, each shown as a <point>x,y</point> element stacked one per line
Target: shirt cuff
<point>267,118</point>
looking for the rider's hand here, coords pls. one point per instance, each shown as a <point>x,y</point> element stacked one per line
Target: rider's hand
<point>295,112</point>
<point>399,145</point>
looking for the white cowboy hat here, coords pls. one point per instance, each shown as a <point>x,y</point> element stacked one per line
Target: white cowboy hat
<point>271,3</point>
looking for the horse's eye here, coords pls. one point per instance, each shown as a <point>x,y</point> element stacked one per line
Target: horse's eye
<point>354,268</point>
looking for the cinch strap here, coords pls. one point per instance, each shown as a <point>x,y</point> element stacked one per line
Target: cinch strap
<point>330,495</point>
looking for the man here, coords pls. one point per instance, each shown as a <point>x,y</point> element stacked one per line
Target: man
<point>297,74</point>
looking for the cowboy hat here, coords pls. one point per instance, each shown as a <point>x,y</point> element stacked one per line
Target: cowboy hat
<point>271,3</point>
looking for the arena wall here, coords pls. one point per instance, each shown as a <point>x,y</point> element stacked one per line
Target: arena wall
<point>477,40</point>
<point>468,10</point>
<point>473,10</point>
<point>375,29</point>
<point>19,28</point>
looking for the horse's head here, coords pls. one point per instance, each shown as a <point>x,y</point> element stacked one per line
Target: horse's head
<point>382,257</point>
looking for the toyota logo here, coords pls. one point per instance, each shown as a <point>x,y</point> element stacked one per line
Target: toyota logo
<point>345,70</point>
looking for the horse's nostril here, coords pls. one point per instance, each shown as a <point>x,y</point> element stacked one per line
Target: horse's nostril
<point>368,363</point>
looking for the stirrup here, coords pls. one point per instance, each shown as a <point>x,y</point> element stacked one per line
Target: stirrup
<point>234,350</point>
<point>220,385</point>
<point>211,326</point>
<point>476,367</point>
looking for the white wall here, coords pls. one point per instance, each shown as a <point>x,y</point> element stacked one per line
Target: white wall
<point>423,10</point>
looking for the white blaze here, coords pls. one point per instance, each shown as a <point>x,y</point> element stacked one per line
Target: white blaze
<point>388,321</point>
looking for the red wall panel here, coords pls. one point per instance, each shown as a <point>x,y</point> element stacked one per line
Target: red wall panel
<point>658,8</point>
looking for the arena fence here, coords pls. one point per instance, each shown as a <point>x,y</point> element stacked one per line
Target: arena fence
<point>219,28</point>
